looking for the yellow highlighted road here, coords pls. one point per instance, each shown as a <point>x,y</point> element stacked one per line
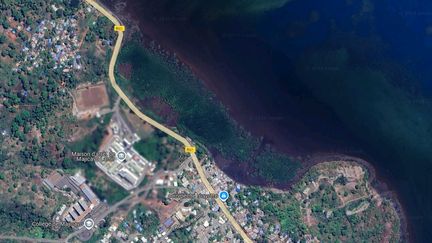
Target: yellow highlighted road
<point>161,127</point>
<point>190,149</point>
<point>119,28</point>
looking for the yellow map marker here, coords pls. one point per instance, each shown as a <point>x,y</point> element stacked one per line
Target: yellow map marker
<point>119,28</point>
<point>190,149</point>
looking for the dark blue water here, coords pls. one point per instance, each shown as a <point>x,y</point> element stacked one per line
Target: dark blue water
<point>352,77</point>
<point>404,26</point>
<point>395,38</point>
<point>293,28</point>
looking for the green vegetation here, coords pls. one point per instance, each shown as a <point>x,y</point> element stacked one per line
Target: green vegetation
<point>180,235</point>
<point>278,208</point>
<point>103,29</point>
<point>328,218</point>
<point>327,199</point>
<point>94,50</point>
<point>102,230</point>
<point>107,189</point>
<point>200,116</point>
<point>92,141</point>
<point>334,223</point>
<point>35,112</point>
<point>153,148</point>
<point>206,120</point>
<point>275,167</point>
<point>150,149</point>
<point>160,148</point>
<point>16,217</point>
<point>147,221</point>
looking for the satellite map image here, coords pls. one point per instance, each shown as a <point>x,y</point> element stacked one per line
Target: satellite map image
<point>215,121</point>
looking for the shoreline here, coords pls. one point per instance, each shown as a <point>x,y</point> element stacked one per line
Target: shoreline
<point>307,162</point>
<point>379,184</point>
<point>253,111</point>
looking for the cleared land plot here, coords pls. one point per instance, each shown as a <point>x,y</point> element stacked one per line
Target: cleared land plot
<point>89,100</point>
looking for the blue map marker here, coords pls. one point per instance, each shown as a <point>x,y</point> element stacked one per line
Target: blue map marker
<point>223,195</point>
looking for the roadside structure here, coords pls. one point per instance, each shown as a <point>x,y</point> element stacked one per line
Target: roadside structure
<point>128,168</point>
<point>85,199</point>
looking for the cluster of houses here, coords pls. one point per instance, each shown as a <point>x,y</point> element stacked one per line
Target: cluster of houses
<point>57,37</point>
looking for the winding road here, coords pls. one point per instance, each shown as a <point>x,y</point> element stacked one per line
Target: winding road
<point>156,124</point>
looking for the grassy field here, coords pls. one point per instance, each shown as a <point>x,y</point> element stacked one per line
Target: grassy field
<point>161,149</point>
<point>106,189</point>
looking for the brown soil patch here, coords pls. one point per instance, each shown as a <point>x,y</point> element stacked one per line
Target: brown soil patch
<point>164,211</point>
<point>90,99</point>
<point>161,109</point>
<point>309,219</point>
<point>387,232</point>
<point>11,36</point>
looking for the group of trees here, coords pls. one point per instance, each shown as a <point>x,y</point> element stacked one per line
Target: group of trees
<point>35,119</point>
<point>143,220</point>
<point>31,98</point>
<point>159,148</point>
<point>180,235</point>
<point>275,167</point>
<point>153,77</point>
<point>285,209</point>
<point>277,207</point>
<point>333,224</point>
<point>200,116</point>
<point>34,110</point>
<point>27,11</point>
<point>18,218</point>
<point>10,50</point>
<point>103,29</point>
